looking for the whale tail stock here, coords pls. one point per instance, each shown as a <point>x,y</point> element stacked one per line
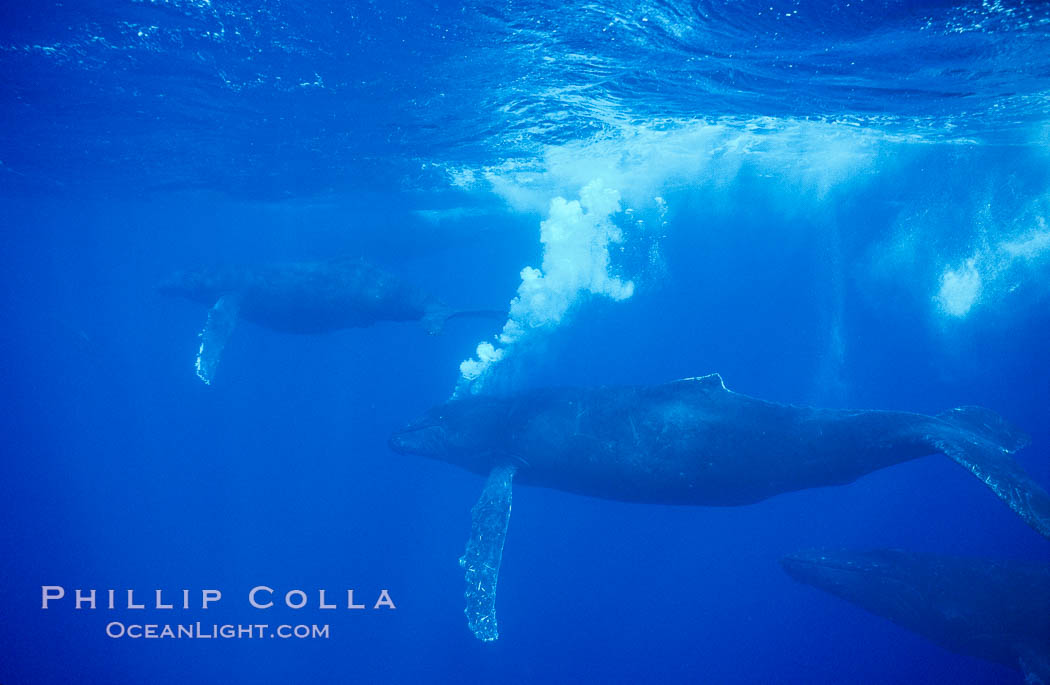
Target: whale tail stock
<point>981,441</point>
<point>435,319</point>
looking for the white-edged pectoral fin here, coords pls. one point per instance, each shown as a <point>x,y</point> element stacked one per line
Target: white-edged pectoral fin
<point>222,319</point>
<point>488,531</point>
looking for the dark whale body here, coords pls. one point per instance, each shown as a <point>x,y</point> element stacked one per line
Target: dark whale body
<point>308,297</point>
<point>993,609</point>
<point>695,442</point>
<point>303,297</point>
<point>690,442</point>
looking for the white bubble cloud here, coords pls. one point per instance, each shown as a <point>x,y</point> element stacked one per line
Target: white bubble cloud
<point>639,164</point>
<point>989,272</point>
<point>645,160</point>
<point>960,289</point>
<point>576,236</point>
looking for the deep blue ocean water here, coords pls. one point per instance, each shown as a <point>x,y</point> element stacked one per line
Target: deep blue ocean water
<point>831,203</point>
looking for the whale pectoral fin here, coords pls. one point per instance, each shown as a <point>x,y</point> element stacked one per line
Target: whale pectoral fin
<point>994,467</point>
<point>488,531</point>
<point>222,319</point>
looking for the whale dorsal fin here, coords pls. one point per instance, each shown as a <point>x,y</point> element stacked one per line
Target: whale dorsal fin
<point>711,381</point>
<point>346,260</point>
<point>222,319</point>
<point>709,386</point>
<point>488,531</point>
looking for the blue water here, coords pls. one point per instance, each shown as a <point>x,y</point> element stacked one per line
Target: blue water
<point>837,204</point>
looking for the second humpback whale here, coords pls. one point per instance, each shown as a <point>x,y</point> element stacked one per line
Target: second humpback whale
<point>689,442</point>
<point>304,297</point>
<point>995,609</point>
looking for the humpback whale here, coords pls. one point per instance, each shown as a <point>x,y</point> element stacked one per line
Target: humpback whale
<point>691,441</point>
<point>993,609</point>
<point>304,297</point>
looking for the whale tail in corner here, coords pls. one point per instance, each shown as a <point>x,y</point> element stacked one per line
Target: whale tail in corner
<point>981,441</point>
<point>434,320</point>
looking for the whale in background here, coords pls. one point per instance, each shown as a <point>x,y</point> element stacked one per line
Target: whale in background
<point>691,441</point>
<point>997,610</point>
<point>304,297</point>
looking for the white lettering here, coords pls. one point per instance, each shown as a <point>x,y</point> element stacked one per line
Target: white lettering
<point>208,596</point>
<point>298,593</point>
<point>251,597</point>
<point>48,593</point>
<point>161,605</point>
<point>132,605</point>
<point>80,598</point>
<point>384,600</point>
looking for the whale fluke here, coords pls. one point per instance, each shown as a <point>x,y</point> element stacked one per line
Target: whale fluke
<point>988,424</point>
<point>982,443</point>
<point>481,561</point>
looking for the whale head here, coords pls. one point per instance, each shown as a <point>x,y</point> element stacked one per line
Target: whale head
<point>464,432</point>
<point>841,571</point>
<point>890,583</point>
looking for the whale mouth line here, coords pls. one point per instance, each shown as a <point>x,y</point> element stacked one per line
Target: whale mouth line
<point>398,444</point>
<point>424,439</point>
<point>818,564</point>
<point>819,561</point>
